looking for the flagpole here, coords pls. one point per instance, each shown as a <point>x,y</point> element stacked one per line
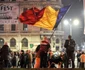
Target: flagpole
<point>63,17</point>
<point>52,33</point>
<point>59,22</point>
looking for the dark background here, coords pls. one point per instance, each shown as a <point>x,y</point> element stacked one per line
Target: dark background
<point>76,11</point>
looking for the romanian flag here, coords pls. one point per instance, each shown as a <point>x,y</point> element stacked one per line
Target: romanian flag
<point>47,17</point>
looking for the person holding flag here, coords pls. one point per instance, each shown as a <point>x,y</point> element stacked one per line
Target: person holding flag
<point>41,54</point>
<point>47,18</point>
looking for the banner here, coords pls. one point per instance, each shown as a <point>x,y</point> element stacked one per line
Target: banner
<point>84,14</point>
<point>9,13</point>
<point>31,45</point>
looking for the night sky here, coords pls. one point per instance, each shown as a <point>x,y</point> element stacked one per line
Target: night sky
<point>66,2</point>
<point>76,11</point>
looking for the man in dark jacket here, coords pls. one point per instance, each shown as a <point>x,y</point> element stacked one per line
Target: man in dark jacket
<point>1,63</point>
<point>70,47</point>
<point>5,53</point>
<point>22,59</point>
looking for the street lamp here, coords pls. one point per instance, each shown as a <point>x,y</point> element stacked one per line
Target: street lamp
<point>75,22</point>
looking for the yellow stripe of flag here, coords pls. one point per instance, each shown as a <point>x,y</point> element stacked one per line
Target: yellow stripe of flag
<point>48,19</point>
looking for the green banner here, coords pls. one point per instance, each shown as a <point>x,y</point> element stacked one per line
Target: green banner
<point>31,45</point>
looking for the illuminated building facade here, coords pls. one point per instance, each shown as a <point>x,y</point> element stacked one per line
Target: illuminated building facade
<point>21,36</point>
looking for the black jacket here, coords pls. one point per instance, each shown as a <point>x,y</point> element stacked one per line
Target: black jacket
<point>5,52</point>
<point>69,45</point>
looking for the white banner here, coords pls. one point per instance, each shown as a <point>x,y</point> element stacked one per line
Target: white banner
<point>9,13</point>
<point>84,14</point>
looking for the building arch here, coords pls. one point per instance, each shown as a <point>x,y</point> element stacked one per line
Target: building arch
<point>12,42</point>
<point>1,42</point>
<point>24,42</point>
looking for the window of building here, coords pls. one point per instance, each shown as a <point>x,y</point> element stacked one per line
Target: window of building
<point>1,27</point>
<point>24,25</point>
<point>12,42</point>
<point>1,42</point>
<point>13,27</point>
<point>25,28</point>
<point>24,42</point>
<point>57,48</point>
<point>57,40</point>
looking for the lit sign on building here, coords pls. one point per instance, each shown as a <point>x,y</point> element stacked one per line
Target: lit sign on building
<point>9,13</point>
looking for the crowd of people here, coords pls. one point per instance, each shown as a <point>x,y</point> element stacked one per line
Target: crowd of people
<point>42,57</point>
